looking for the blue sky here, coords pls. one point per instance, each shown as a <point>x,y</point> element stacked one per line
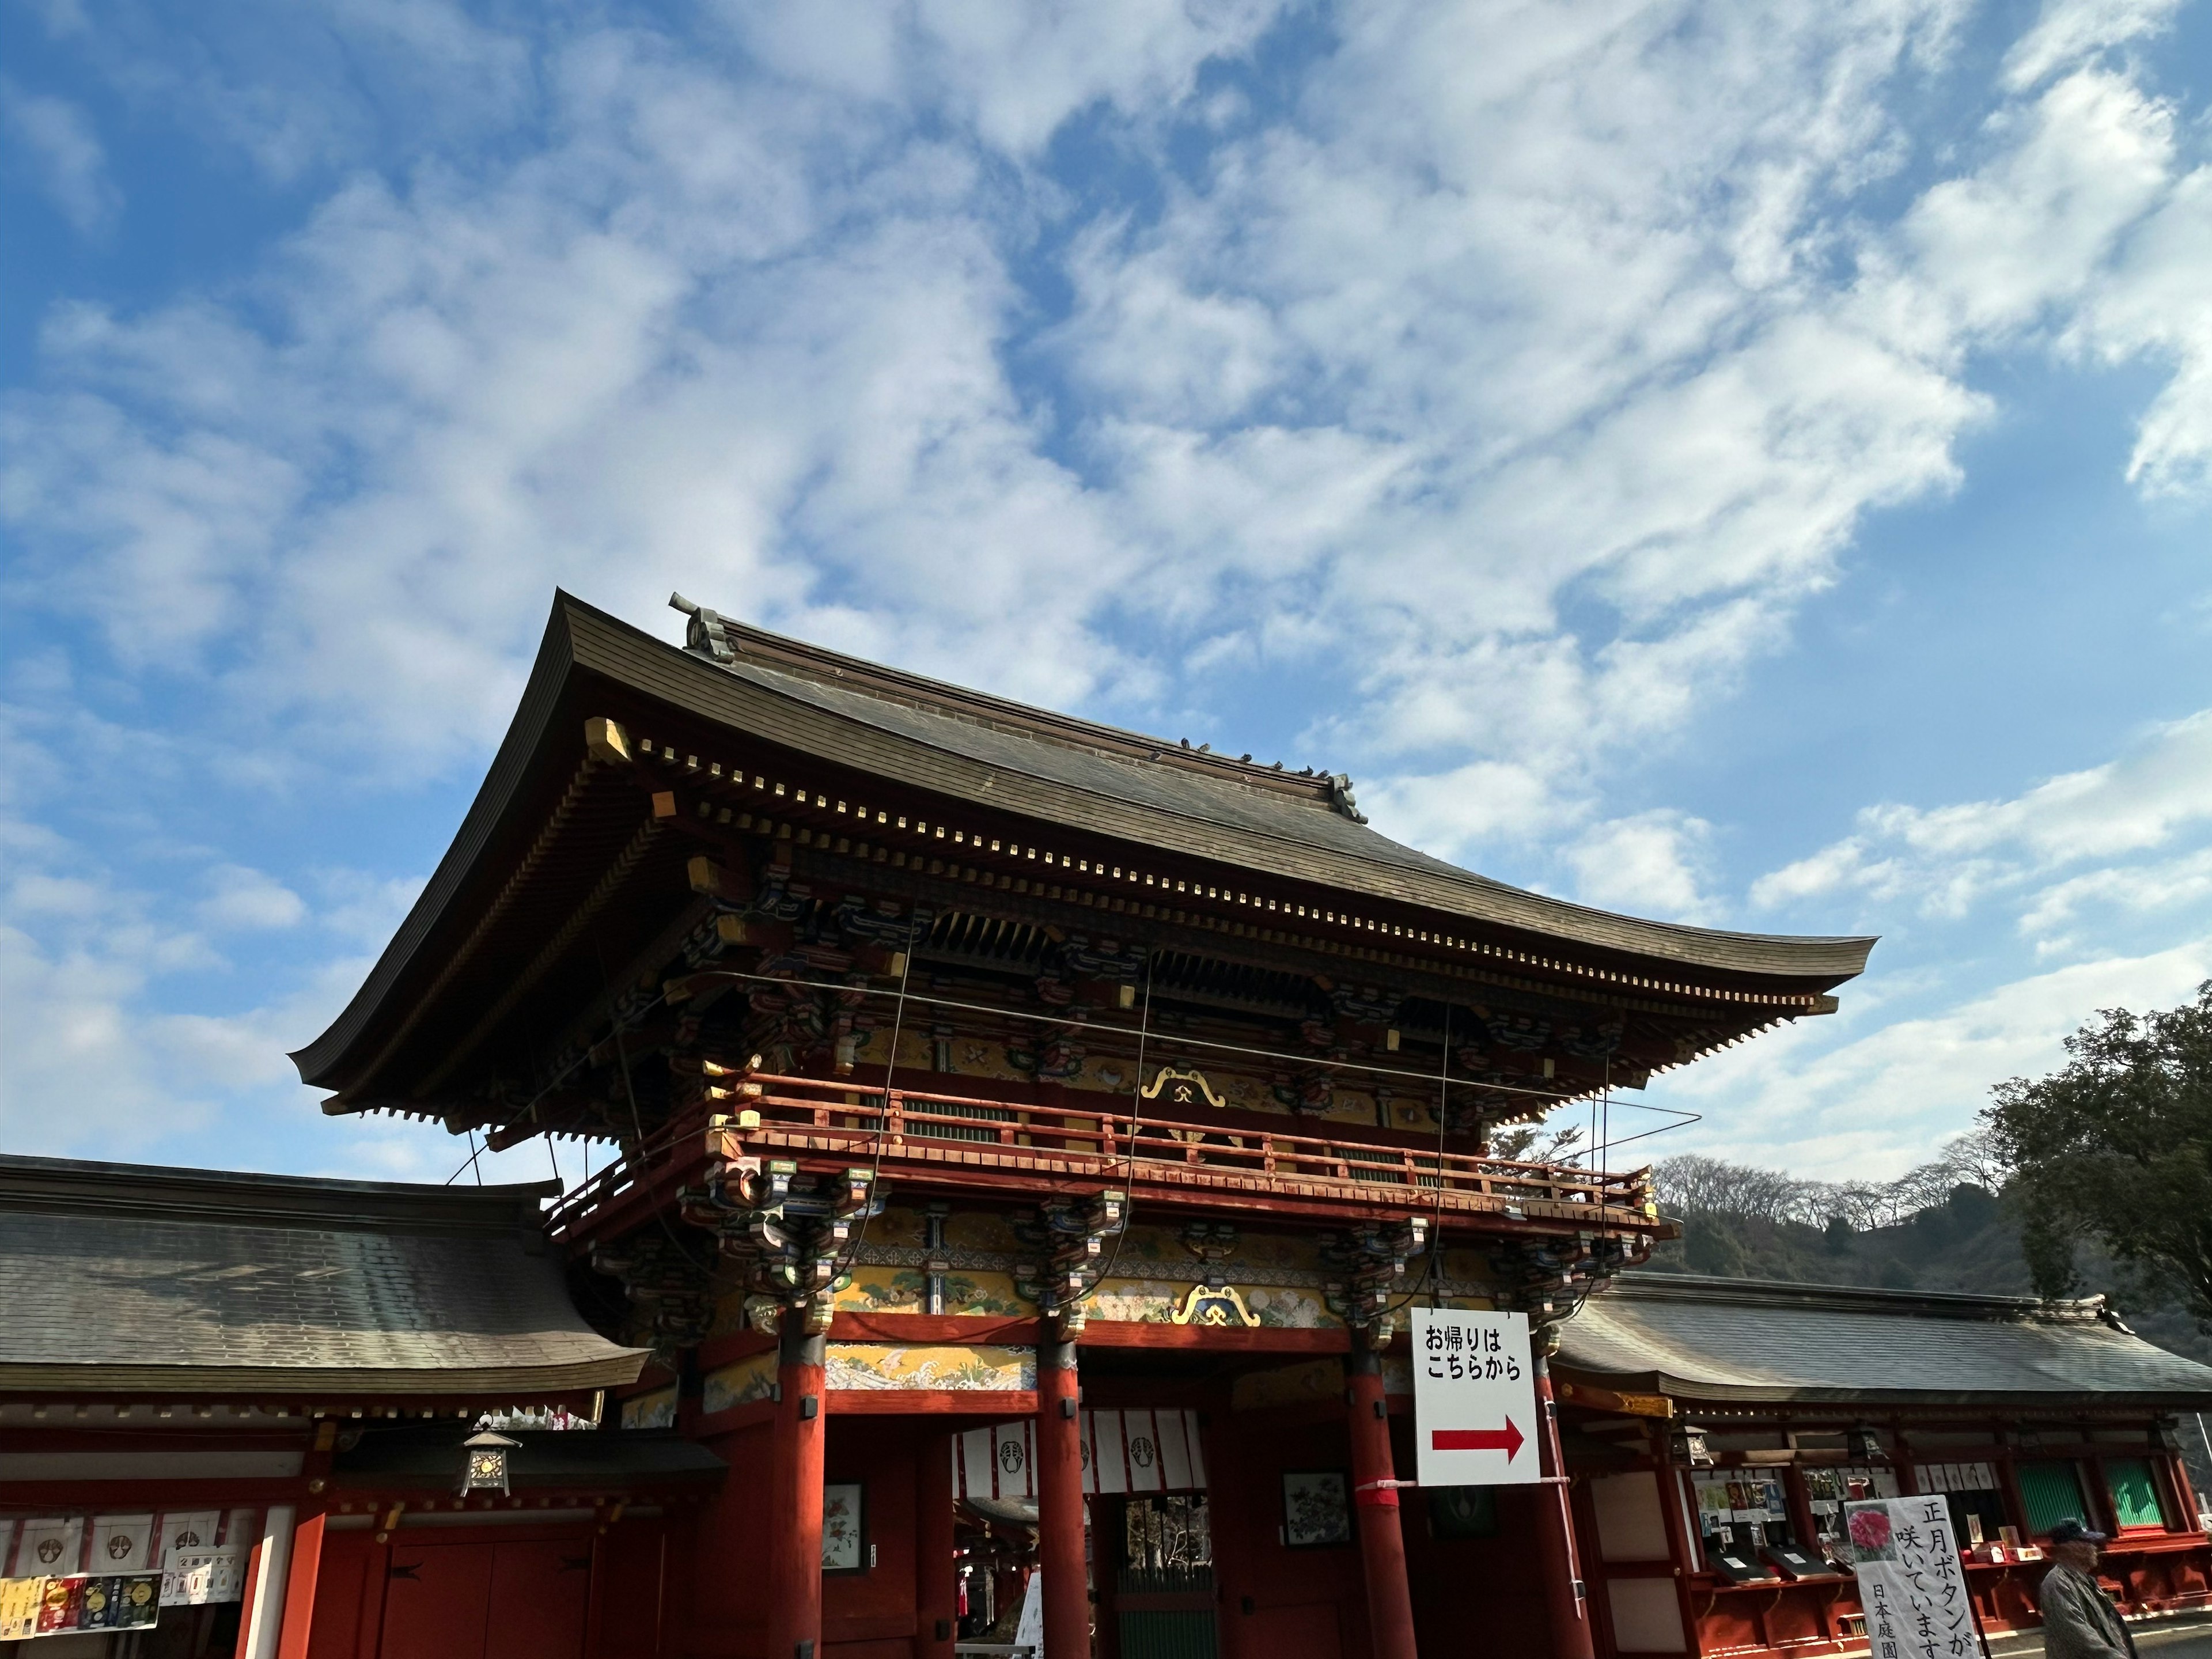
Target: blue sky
<point>1744,462</point>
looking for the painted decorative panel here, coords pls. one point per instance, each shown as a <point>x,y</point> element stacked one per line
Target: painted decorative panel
<point>1157,1302</point>
<point>906,1289</point>
<point>880,1366</point>
<point>656,1410</point>
<point>750,1379</point>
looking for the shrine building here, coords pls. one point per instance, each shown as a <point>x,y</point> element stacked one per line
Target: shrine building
<point>1004,1113</point>
<point>1715,1428</point>
<point>1002,1158</point>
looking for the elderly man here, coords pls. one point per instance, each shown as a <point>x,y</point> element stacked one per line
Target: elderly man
<point>2079,1620</point>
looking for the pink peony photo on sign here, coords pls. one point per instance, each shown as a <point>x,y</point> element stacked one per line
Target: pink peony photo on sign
<point>1870,1530</point>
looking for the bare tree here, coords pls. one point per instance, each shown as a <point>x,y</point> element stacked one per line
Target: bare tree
<point>1692,1184</point>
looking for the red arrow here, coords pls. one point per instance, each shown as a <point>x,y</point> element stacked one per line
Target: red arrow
<point>1507,1439</point>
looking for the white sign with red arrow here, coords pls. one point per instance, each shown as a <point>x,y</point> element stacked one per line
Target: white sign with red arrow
<point>1475,1399</point>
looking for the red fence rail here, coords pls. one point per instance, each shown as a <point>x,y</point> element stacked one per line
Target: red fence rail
<point>776,1114</point>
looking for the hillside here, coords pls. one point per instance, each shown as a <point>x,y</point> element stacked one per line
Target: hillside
<point>1969,1241</point>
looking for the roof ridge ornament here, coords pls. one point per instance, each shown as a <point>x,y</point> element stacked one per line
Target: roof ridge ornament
<point>1340,797</point>
<point>706,635</point>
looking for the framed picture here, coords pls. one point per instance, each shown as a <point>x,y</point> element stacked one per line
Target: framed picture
<point>844,1528</point>
<point>1316,1508</point>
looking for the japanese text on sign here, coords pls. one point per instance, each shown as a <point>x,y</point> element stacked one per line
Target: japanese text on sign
<point>1475,1399</point>
<point>1910,1583</point>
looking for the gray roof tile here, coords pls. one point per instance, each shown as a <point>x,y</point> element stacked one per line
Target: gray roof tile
<point>125,1278</point>
<point>1739,1339</point>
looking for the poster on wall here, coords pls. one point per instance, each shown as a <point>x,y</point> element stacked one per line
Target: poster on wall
<point>194,1577</point>
<point>1316,1508</point>
<point>1910,1579</point>
<point>844,1528</point>
<point>19,1600</point>
<point>1475,1399</point>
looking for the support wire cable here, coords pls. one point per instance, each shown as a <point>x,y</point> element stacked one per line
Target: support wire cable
<point>1136,1126</point>
<point>883,1125</point>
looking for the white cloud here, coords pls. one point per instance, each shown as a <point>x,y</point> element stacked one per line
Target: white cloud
<point>55,141</point>
<point>1508,381</point>
<point>90,1057</point>
<point>1487,801</point>
<point>1947,857</point>
<point>2040,220</point>
<point>2171,887</point>
<point>1650,864</point>
<point>2158,305</point>
<point>241,899</point>
<point>2071,30</point>
<point>1399,376</point>
<point>1845,1100</point>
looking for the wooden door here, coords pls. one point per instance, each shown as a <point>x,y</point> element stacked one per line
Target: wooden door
<point>437,1599</point>
<point>539,1593</point>
<point>1305,1631</point>
<point>519,1601</point>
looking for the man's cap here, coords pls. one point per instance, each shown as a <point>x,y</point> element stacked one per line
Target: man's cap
<point>2071,1531</point>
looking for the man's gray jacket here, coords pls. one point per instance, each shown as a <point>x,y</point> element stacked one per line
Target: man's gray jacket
<point>2079,1620</point>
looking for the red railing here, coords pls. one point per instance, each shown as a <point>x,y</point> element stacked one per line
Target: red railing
<point>771,1113</point>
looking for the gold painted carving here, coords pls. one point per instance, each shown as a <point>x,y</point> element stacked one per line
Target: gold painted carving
<point>1210,1304</point>
<point>1182,1086</point>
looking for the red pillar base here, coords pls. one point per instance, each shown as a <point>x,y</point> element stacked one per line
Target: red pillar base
<point>1060,1504</point>
<point>794,1600</point>
<point>1381,1540</point>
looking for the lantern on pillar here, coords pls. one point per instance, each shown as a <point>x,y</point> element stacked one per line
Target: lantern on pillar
<point>483,1462</point>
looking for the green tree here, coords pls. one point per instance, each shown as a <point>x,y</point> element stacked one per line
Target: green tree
<point>2117,1145</point>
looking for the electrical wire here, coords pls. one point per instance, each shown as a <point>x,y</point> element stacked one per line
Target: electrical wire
<point>1136,1128</point>
<point>1433,1275</point>
<point>637,1122</point>
<point>883,1120</point>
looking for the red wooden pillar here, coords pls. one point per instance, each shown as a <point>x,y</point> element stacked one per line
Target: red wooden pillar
<point>1382,1540</point>
<point>1564,1598</point>
<point>936,1591</point>
<point>2009,1483</point>
<point>299,1579</point>
<point>794,1601</point>
<point>1060,1503</point>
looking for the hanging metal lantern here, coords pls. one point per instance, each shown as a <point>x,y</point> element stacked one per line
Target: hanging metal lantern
<point>1690,1447</point>
<point>1866,1446</point>
<point>483,1462</point>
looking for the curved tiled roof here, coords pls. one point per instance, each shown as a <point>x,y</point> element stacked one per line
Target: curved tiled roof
<point>1089,780</point>
<point>1139,788</point>
<point>126,1278</point>
<point>1722,1340</point>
